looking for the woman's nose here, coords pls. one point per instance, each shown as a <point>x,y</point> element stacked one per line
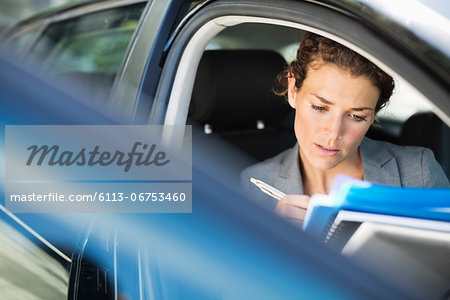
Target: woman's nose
<point>334,127</point>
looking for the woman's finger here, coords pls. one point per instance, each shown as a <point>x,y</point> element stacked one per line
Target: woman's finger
<point>291,212</point>
<point>300,201</point>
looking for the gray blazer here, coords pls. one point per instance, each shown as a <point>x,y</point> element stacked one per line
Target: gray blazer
<point>383,163</point>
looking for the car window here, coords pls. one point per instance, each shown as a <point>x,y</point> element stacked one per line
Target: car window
<point>405,101</point>
<point>259,36</point>
<point>220,106</point>
<point>404,121</point>
<point>19,43</point>
<point>22,40</point>
<point>88,50</point>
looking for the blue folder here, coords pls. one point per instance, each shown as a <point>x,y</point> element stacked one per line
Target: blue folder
<point>350,194</point>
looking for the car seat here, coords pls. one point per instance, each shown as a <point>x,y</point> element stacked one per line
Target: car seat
<point>427,130</point>
<point>233,97</point>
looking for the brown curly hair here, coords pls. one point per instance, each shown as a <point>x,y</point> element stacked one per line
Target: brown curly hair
<point>317,49</point>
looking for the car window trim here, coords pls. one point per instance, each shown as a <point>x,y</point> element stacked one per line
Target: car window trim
<point>40,27</point>
<point>142,61</point>
<point>93,8</point>
<point>306,17</point>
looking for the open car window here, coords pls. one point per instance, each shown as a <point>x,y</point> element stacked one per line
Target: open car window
<point>223,82</point>
<point>257,122</point>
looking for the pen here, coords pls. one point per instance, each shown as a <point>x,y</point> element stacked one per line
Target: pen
<point>269,190</point>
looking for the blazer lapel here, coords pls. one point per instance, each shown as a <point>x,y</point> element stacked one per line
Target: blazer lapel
<point>289,179</point>
<point>379,165</point>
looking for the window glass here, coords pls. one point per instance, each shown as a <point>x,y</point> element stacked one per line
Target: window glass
<point>88,50</point>
<point>284,40</point>
<point>19,43</point>
<point>405,101</point>
<point>408,119</point>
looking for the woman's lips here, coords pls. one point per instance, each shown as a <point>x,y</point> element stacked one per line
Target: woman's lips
<point>326,151</point>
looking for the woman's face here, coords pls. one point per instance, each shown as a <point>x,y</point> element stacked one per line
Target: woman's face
<point>334,110</point>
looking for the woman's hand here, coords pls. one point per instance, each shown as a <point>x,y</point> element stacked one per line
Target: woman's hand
<point>293,207</point>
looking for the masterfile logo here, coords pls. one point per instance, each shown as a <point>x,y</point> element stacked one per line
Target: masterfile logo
<point>53,156</point>
<point>107,168</point>
<point>98,152</point>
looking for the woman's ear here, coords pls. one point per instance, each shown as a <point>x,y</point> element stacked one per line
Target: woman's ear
<point>291,91</point>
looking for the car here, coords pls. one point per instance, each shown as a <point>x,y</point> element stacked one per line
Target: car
<point>211,65</point>
<point>103,47</point>
<point>227,246</point>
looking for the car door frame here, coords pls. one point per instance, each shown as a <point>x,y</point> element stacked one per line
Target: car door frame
<point>328,20</point>
<point>136,81</point>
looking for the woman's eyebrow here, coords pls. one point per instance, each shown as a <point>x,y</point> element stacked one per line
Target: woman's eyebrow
<point>322,99</point>
<point>328,102</point>
<point>362,108</point>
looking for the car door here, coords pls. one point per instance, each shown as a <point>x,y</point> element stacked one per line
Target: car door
<point>365,34</point>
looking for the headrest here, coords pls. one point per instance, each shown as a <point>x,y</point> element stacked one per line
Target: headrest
<point>426,129</point>
<point>234,88</point>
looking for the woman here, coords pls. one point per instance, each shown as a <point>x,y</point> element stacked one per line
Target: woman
<point>336,94</point>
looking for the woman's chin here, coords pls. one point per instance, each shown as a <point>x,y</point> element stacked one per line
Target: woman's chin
<point>326,164</point>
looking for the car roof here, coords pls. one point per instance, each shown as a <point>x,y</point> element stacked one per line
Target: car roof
<point>379,12</point>
<point>422,30</point>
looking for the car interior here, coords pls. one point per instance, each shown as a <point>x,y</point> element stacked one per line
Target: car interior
<point>233,97</point>
<point>238,104</point>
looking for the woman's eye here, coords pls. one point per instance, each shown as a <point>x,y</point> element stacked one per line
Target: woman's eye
<point>358,118</point>
<point>319,108</point>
